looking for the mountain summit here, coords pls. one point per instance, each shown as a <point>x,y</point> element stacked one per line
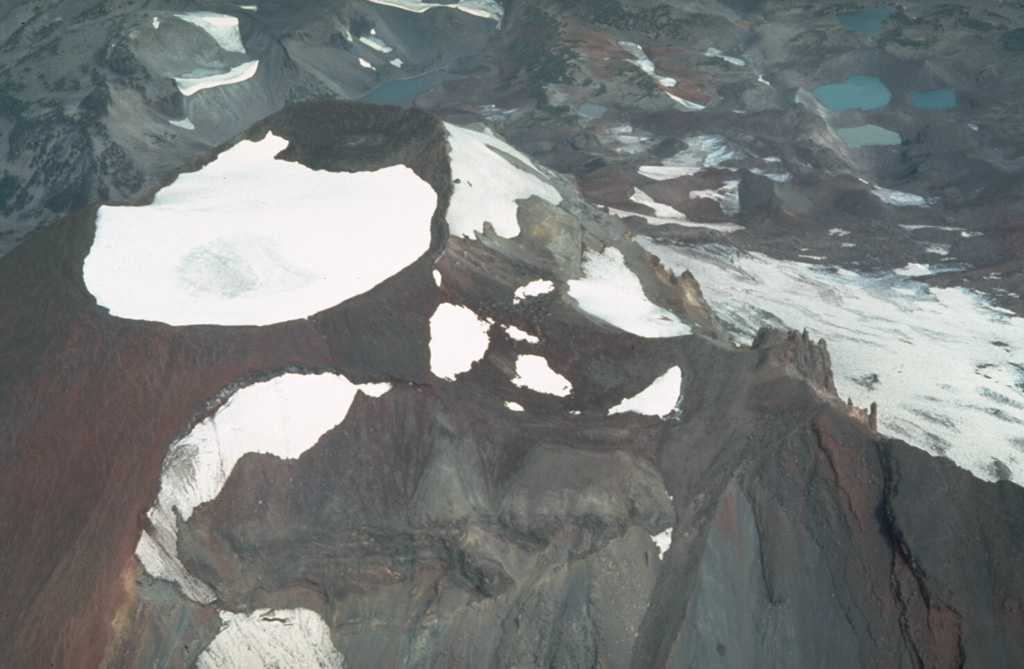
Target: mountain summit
<point>362,388</point>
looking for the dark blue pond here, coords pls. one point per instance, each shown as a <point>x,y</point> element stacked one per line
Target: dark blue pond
<point>866,21</point>
<point>860,92</point>
<point>401,92</point>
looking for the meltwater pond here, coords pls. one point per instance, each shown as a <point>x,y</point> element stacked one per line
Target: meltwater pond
<point>940,98</point>
<point>868,135</point>
<point>859,92</point>
<point>866,21</point>
<point>401,92</point>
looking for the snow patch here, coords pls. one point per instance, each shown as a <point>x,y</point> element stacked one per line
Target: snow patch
<point>663,541</point>
<point>250,240</point>
<point>192,85</point>
<point>514,406</point>
<point>666,215</point>
<point>533,372</point>
<point>221,27</point>
<point>703,151</point>
<point>647,65</point>
<point>837,232</point>
<point>437,278</point>
<point>609,291</point>
<point>532,289</point>
<point>397,62</point>
<point>519,335</point>
<point>712,52</point>
<point>184,123</point>
<point>376,44</point>
<point>156,23</point>
<point>658,399</point>
<point>458,338</point>
<point>365,63</point>
<point>270,638</point>
<point>945,366</point>
<point>488,185</point>
<point>284,416</point>
<point>899,198</point>
<point>484,9</point>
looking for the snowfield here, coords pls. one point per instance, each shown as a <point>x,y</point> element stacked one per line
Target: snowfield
<point>944,365</point>
<point>484,9</point>
<point>271,638</point>
<point>610,292</point>
<point>192,85</point>
<point>533,372</point>
<point>658,399</point>
<point>667,215</point>
<point>221,27</point>
<point>488,184</point>
<point>458,338</point>
<point>533,289</point>
<point>663,541</point>
<point>284,416</point>
<point>250,240</point>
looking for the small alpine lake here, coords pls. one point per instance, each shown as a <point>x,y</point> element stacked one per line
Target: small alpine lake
<point>858,92</point>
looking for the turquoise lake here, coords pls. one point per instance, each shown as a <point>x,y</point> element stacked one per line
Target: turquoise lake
<point>402,91</point>
<point>866,21</point>
<point>940,98</point>
<point>859,92</point>
<point>868,135</point>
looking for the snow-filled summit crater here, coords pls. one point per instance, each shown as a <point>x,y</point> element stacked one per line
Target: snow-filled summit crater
<point>253,240</point>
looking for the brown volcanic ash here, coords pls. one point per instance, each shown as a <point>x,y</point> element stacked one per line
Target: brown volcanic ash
<point>435,527</point>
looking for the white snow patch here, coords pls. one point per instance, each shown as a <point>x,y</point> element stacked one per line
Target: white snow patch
<point>249,8</point>
<point>156,23</point>
<point>250,240</point>
<point>532,289</point>
<point>514,406</point>
<point>949,365</point>
<point>712,52</point>
<point>192,85</point>
<point>221,27</point>
<point>727,196</point>
<point>914,269</point>
<point>703,151</point>
<point>520,335</point>
<point>284,416</point>
<point>838,232</point>
<point>533,372</point>
<point>397,62</point>
<point>667,215</point>
<point>489,185</point>
<point>376,44</point>
<point>458,338</point>
<point>365,63</point>
<point>609,291</point>
<point>184,123</point>
<point>663,541</point>
<point>485,9</point>
<point>374,389</point>
<point>271,638</point>
<point>437,277</point>
<point>658,399</point>
<point>899,198</point>
<point>938,249</point>
<point>647,65</point>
